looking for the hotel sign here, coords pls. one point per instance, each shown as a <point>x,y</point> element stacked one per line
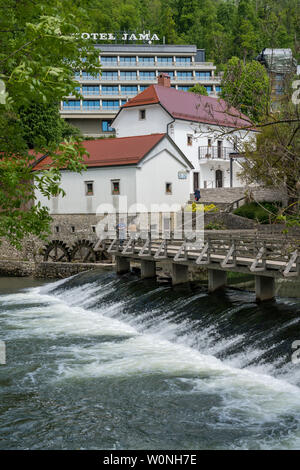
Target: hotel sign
<point>147,37</point>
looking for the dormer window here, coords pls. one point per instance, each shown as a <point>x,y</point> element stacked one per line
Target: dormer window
<point>142,114</point>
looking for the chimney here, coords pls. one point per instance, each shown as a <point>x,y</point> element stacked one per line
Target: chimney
<point>164,80</point>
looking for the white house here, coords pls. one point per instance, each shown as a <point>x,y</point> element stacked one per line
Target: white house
<point>206,130</point>
<point>149,171</point>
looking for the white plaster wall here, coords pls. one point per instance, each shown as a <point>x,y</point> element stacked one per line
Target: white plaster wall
<point>208,174</point>
<point>128,123</point>
<point>76,201</point>
<point>201,133</point>
<point>158,169</point>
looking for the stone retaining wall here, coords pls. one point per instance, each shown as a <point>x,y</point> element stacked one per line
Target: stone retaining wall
<point>61,229</point>
<point>229,195</point>
<point>47,270</point>
<point>230,221</point>
<point>17,268</point>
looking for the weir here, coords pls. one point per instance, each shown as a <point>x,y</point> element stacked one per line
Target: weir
<point>266,258</point>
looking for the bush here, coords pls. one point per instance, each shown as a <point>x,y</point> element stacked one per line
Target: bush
<point>214,226</point>
<point>264,212</point>
<point>200,208</point>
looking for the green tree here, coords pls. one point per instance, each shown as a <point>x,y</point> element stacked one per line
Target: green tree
<point>39,52</point>
<point>168,29</point>
<point>275,161</point>
<point>246,87</point>
<point>41,125</point>
<point>198,89</point>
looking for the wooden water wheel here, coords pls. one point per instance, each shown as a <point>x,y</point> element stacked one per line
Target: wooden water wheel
<point>57,251</point>
<point>83,251</point>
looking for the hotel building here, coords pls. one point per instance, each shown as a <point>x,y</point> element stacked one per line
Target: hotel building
<point>127,70</point>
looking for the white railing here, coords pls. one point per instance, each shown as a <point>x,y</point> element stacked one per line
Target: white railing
<point>89,93</point>
<point>185,79</point>
<point>128,64</point>
<point>129,78</point>
<point>113,78</point>
<point>112,92</point>
<point>71,108</point>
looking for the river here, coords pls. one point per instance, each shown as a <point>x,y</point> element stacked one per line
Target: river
<point>98,361</point>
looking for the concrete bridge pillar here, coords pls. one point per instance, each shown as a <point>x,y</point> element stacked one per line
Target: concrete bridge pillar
<point>216,279</point>
<point>122,265</point>
<point>264,288</point>
<point>180,274</point>
<point>148,269</point>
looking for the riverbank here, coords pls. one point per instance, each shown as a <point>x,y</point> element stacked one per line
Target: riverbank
<point>47,270</point>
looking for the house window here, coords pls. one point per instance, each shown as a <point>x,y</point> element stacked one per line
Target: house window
<point>220,150</point>
<point>72,229</point>
<point>189,139</point>
<point>94,228</point>
<point>91,104</point>
<point>183,60</point>
<point>110,90</point>
<point>208,142</point>
<point>128,75</point>
<point>148,75</point>
<point>106,126</point>
<point>89,188</point>
<point>165,60</point>
<point>56,228</point>
<point>115,187</point>
<point>166,223</point>
<point>142,114</point>
<point>90,90</point>
<point>129,90</point>
<point>168,188</point>
<point>184,75</point>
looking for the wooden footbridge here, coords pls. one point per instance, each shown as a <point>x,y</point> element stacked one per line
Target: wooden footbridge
<point>266,257</point>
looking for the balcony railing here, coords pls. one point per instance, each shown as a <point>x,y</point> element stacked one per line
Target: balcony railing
<point>97,109</point>
<point>214,153</point>
<point>141,78</point>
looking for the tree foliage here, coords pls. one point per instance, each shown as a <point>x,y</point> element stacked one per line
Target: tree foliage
<point>198,89</point>
<point>224,28</point>
<point>41,125</point>
<point>275,159</point>
<point>246,87</point>
<point>39,52</point>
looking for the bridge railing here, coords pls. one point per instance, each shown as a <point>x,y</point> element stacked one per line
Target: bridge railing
<point>216,250</point>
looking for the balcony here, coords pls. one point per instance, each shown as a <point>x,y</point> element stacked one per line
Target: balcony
<point>214,153</point>
<point>184,64</point>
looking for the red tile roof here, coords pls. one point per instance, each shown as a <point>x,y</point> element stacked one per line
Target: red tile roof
<point>113,152</point>
<point>190,106</point>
